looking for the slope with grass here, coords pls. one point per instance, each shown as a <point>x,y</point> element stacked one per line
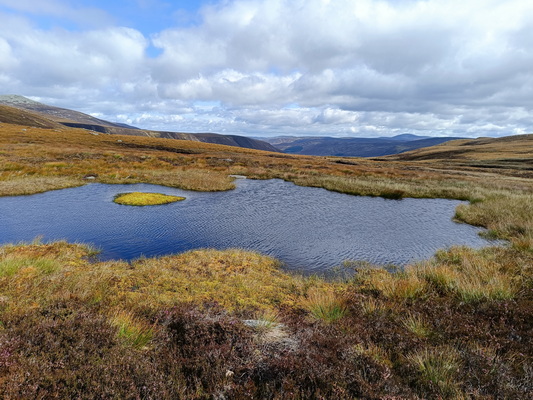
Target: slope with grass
<point>76,119</point>
<point>506,152</point>
<point>455,326</point>
<point>11,115</point>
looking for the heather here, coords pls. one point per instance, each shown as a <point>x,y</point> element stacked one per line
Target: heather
<point>232,324</point>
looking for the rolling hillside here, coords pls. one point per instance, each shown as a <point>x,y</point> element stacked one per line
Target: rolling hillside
<point>515,152</point>
<point>11,115</point>
<point>75,119</point>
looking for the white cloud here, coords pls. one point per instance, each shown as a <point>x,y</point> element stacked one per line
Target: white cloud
<point>447,67</point>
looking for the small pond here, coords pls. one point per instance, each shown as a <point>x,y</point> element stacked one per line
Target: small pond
<point>308,229</point>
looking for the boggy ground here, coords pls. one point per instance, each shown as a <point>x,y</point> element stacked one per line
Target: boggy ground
<point>179,327</point>
<point>229,325</point>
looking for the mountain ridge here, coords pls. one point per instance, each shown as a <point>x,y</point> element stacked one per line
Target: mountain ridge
<point>76,119</point>
<point>355,147</point>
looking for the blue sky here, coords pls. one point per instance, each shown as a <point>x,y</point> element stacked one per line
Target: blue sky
<point>147,16</point>
<point>359,68</point>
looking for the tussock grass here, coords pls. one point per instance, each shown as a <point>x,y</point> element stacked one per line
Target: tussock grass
<point>145,199</point>
<point>472,276</point>
<point>416,325</point>
<point>403,285</point>
<point>373,351</point>
<point>391,188</point>
<point>133,331</point>
<point>238,280</point>
<point>438,367</point>
<point>469,275</point>
<point>12,266</point>
<point>371,306</point>
<point>192,179</point>
<point>188,179</point>
<point>325,305</point>
<point>267,319</point>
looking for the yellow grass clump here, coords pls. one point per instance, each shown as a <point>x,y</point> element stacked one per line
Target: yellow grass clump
<point>145,199</point>
<point>393,285</point>
<point>470,275</point>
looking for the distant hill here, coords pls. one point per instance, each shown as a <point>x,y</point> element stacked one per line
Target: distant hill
<point>76,119</point>
<point>406,137</point>
<point>354,147</point>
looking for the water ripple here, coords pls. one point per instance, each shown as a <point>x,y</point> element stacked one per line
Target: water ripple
<point>309,229</point>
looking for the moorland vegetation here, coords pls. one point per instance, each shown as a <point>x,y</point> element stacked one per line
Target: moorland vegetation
<point>145,199</point>
<point>231,324</point>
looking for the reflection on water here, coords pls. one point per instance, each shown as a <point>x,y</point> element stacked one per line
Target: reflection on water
<point>309,229</point>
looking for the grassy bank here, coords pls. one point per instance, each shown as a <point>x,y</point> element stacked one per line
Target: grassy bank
<point>211,324</point>
<point>456,326</point>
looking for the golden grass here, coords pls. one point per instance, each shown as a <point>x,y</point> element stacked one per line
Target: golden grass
<point>372,306</point>
<point>145,199</point>
<point>471,275</point>
<point>416,325</point>
<point>373,351</point>
<point>509,216</point>
<point>325,305</point>
<point>37,184</point>
<point>500,198</point>
<point>242,281</point>
<point>404,285</point>
<point>133,331</point>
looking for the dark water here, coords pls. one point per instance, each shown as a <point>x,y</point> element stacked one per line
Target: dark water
<point>309,229</point>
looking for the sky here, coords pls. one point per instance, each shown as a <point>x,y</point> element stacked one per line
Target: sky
<point>262,68</point>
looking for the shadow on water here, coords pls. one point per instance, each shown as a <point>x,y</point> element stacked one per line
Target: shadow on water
<point>310,230</point>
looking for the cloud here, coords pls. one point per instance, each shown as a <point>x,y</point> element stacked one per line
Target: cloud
<point>376,67</point>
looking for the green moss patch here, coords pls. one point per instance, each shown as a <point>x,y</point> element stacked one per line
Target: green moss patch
<point>145,199</point>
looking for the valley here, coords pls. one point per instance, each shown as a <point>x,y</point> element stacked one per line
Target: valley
<point>232,323</point>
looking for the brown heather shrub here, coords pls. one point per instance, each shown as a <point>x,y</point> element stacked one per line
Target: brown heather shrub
<point>64,351</point>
